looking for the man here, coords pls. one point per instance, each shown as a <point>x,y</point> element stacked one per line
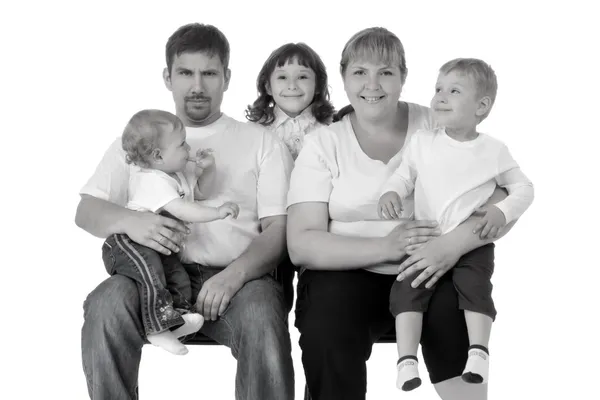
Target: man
<point>230,260</point>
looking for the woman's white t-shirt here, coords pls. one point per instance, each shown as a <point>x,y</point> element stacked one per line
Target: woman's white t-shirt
<point>332,168</point>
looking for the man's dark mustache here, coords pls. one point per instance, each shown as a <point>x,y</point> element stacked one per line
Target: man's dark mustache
<point>197,98</point>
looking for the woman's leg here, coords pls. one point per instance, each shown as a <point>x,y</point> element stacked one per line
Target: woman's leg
<point>340,315</point>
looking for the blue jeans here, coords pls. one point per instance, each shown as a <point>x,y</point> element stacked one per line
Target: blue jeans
<point>254,327</point>
<point>163,284</point>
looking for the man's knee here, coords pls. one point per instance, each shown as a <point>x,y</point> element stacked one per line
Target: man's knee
<point>111,299</point>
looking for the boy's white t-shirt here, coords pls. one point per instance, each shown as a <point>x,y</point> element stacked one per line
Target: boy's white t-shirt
<point>253,167</point>
<point>332,168</point>
<point>451,179</point>
<point>152,189</point>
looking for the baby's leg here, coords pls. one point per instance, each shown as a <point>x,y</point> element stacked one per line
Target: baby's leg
<point>408,334</point>
<point>145,267</point>
<point>472,279</point>
<point>408,304</point>
<point>168,340</point>
<point>193,323</point>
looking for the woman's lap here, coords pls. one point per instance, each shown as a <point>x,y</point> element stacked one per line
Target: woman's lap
<point>335,304</point>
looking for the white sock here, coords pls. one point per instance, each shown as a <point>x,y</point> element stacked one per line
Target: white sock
<point>168,341</point>
<point>193,323</point>
<point>408,373</point>
<point>478,365</point>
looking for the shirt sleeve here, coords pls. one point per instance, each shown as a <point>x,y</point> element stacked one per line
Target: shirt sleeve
<point>110,180</point>
<point>314,170</point>
<point>520,194</point>
<point>403,179</point>
<point>151,191</point>
<point>275,169</point>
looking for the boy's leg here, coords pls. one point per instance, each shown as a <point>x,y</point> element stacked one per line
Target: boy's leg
<point>472,279</point>
<point>254,327</point>
<point>111,339</point>
<point>408,304</point>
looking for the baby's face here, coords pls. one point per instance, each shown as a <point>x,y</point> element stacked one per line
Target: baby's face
<point>174,151</point>
<point>293,87</point>
<point>456,100</point>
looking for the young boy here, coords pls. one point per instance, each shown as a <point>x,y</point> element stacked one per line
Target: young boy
<point>155,144</point>
<point>453,171</point>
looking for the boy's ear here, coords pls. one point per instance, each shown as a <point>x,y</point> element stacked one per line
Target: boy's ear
<point>485,103</point>
<point>156,156</point>
<point>167,78</point>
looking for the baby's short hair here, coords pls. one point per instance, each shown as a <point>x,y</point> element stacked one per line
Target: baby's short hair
<point>143,132</point>
<point>482,74</point>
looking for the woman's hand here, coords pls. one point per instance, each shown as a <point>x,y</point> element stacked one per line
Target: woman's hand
<point>434,259</point>
<point>411,233</point>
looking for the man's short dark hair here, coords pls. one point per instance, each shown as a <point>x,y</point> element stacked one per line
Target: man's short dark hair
<point>197,37</point>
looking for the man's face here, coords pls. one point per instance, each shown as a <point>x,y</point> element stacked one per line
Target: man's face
<point>197,82</point>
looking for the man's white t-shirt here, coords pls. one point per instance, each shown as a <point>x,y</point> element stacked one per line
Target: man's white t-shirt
<point>332,168</point>
<point>253,167</point>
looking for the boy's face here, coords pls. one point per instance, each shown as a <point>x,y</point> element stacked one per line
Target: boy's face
<point>174,151</point>
<point>456,103</point>
<point>197,82</point>
<point>292,87</point>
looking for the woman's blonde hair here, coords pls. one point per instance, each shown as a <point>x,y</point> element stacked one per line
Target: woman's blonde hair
<point>376,44</point>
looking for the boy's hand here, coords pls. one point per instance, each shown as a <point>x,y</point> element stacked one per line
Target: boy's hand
<point>492,222</point>
<point>229,208</point>
<point>389,206</point>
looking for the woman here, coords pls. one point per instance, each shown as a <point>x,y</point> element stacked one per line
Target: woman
<point>349,256</point>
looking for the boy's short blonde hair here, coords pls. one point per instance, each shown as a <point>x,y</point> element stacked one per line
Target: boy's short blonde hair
<point>143,133</point>
<point>482,74</point>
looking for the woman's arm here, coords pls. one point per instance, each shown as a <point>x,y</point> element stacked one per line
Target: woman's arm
<point>102,218</point>
<point>311,245</point>
<point>438,256</point>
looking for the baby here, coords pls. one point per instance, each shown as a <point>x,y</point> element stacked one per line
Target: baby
<point>154,142</point>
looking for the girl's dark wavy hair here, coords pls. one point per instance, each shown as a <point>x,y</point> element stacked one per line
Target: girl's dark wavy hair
<point>261,111</point>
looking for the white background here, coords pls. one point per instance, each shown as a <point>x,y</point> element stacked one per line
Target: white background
<point>72,75</point>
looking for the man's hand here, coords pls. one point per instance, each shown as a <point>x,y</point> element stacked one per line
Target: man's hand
<point>162,234</point>
<point>217,292</point>
<point>492,221</point>
<point>390,206</point>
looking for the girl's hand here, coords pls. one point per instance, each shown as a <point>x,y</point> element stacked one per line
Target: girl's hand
<point>491,223</point>
<point>434,259</point>
<point>409,234</point>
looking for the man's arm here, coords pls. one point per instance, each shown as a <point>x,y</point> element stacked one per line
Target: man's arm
<point>262,256</point>
<point>102,218</point>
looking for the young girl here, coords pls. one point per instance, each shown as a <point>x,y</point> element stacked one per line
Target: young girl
<point>293,97</point>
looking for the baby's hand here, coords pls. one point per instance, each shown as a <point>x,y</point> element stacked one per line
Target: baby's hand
<point>204,159</point>
<point>492,222</point>
<point>227,209</point>
<point>390,206</point>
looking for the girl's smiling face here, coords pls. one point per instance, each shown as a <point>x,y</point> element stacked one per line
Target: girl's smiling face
<point>292,87</point>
